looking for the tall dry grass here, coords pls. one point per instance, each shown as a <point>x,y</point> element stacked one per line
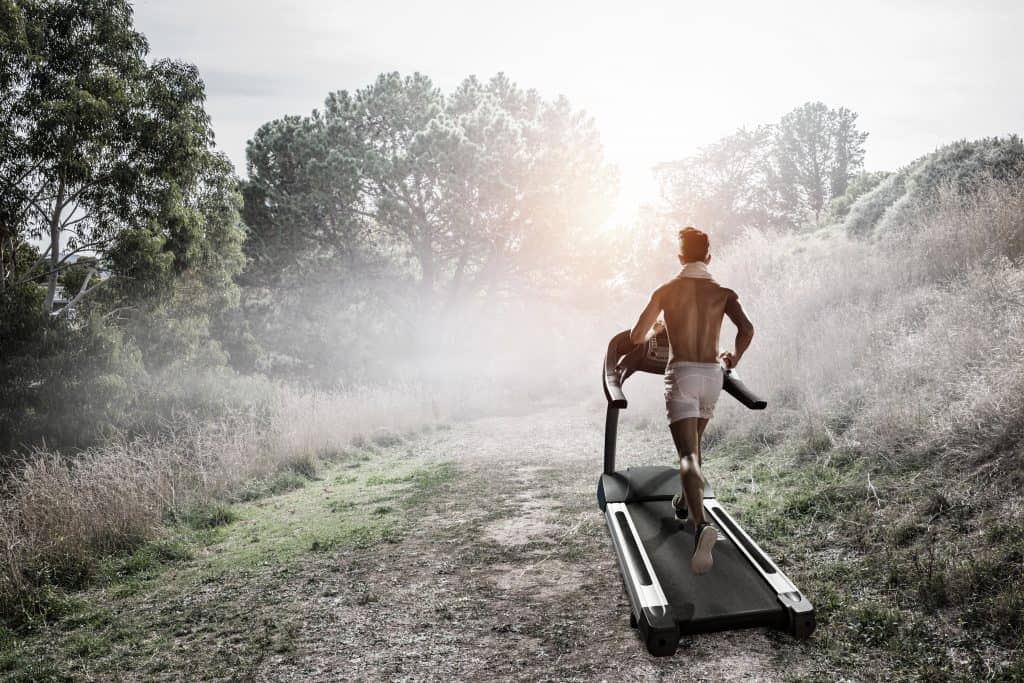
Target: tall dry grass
<point>901,346</point>
<point>58,515</point>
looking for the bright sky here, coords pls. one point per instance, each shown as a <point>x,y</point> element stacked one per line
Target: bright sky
<point>660,78</point>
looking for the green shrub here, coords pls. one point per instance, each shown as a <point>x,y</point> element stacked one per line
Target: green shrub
<point>964,167</point>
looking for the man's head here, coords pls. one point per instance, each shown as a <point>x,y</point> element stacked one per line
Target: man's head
<point>693,246</point>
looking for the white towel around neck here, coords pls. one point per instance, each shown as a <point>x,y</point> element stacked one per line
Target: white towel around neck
<point>696,269</point>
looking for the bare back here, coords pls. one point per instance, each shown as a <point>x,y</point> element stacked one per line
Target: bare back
<point>693,309</point>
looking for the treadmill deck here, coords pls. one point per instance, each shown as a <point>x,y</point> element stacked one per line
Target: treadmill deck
<point>731,595</point>
<point>744,588</point>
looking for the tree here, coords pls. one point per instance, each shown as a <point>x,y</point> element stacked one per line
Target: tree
<point>300,202</point>
<point>477,187</point>
<point>816,151</point>
<point>106,161</point>
<point>404,199</point>
<point>777,175</point>
<point>722,188</point>
<point>99,145</point>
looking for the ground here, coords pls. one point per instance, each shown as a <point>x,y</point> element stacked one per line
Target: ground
<point>470,551</point>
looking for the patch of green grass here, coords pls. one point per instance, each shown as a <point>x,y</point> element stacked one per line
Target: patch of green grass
<point>908,531</point>
<point>87,645</point>
<point>37,607</point>
<point>1005,531</point>
<point>62,633</point>
<point>344,510</point>
<point>149,558</point>
<point>387,440</point>
<point>282,482</point>
<point>421,479</point>
<point>303,465</point>
<point>212,516</point>
<point>874,624</point>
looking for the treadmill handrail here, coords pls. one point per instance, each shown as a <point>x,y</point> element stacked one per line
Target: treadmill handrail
<point>638,359</point>
<point>612,377</point>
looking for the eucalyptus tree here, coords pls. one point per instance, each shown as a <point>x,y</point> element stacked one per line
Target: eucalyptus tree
<point>110,187</point>
<point>777,176</point>
<point>103,153</point>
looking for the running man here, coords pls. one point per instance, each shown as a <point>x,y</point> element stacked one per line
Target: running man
<point>694,305</point>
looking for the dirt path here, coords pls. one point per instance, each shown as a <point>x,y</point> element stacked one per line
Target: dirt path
<point>509,576</point>
<point>470,553</point>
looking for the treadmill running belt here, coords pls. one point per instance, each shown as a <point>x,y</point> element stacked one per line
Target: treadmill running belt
<point>732,593</point>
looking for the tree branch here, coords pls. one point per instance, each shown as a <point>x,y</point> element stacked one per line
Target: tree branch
<point>68,223</point>
<point>82,292</point>
<point>61,265</point>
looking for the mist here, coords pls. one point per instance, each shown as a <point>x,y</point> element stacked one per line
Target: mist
<point>369,344</point>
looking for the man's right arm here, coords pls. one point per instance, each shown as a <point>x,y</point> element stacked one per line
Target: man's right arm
<point>744,331</point>
<point>639,333</point>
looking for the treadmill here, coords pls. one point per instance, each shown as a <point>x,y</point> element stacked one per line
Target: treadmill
<point>744,589</point>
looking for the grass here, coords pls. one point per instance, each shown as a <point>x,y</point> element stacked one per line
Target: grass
<point>910,578</point>
<point>61,516</point>
<point>121,621</point>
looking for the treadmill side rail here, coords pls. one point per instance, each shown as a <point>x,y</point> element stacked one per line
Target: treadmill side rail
<point>657,621</point>
<point>799,608</point>
<point>641,580</point>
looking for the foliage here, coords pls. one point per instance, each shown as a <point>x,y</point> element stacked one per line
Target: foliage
<point>62,382</point>
<point>400,200</point>
<point>723,188</point>
<point>777,176</point>
<point>816,151</point>
<point>107,161</point>
<point>840,206</point>
<point>962,167</point>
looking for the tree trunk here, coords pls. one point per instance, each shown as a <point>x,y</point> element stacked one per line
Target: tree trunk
<point>51,284</point>
<point>455,289</point>
<point>425,255</point>
<point>3,264</point>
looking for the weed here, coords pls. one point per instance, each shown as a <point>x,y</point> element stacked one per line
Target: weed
<point>875,625</point>
<point>282,482</point>
<point>302,464</point>
<point>208,516</point>
<point>387,440</point>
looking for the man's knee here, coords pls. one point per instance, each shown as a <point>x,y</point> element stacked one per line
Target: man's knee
<point>689,464</point>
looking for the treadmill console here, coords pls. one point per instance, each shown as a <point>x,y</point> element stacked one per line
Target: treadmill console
<point>651,356</point>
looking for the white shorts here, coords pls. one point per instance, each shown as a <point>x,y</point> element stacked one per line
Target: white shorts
<point>692,389</point>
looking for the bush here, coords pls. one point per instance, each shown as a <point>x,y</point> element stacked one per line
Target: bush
<point>964,166</point>
<point>864,183</point>
<point>897,336</point>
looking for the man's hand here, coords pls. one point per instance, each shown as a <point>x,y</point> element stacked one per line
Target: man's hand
<point>728,359</point>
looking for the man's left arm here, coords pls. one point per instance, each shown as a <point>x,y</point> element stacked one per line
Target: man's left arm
<point>647,319</point>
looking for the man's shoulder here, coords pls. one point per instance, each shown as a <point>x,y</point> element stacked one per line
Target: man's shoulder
<point>727,291</point>
<point>666,286</point>
<point>716,285</point>
<point>678,282</point>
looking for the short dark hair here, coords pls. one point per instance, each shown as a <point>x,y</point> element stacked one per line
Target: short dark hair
<point>693,244</point>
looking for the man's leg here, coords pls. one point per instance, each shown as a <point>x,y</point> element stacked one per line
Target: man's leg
<point>686,436</point>
<point>702,424</point>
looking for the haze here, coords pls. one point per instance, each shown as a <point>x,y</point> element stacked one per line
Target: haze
<point>661,79</point>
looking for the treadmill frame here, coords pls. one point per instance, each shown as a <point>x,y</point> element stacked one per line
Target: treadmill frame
<point>661,625</point>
